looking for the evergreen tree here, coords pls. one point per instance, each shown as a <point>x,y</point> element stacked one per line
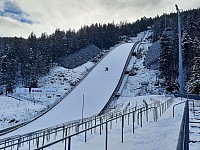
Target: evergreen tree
<point>188,54</point>
<point>167,68</point>
<point>194,82</point>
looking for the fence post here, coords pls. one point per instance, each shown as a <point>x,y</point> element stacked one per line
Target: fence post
<point>128,117</point>
<point>133,120</point>
<point>186,142</point>
<point>122,128</point>
<point>37,141</point>
<point>106,146</point>
<point>141,118</point>
<point>43,138</point>
<point>100,126</point>
<point>85,132</point>
<point>138,117</point>
<point>69,143</point>
<point>91,126</point>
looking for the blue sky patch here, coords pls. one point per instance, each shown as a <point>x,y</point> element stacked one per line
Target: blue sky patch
<point>12,10</point>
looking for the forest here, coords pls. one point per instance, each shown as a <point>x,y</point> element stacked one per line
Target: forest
<point>23,61</point>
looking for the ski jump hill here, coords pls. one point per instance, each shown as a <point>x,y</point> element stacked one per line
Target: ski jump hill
<point>95,91</point>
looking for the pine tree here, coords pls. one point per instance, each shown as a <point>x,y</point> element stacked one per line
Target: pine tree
<point>194,82</point>
<point>167,64</point>
<point>188,54</point>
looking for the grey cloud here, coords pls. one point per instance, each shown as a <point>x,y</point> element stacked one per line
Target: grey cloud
<point>51,14</point>
<point>121,4</point>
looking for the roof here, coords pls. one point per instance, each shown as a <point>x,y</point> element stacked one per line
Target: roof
<point>153,54</point>
<point>80,57</point>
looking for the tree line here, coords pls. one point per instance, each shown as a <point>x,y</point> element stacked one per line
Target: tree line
<point>22,60</point>
<point>190,21</point>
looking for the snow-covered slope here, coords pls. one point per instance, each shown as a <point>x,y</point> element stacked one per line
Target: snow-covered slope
<point>162,134</point>
<point>97,88</point>
<point>26,106</point>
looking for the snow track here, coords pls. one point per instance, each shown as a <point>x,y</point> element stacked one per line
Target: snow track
<point>96,89</point>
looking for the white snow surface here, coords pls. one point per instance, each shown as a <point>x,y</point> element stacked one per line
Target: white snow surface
<point>160,135</point>
<point>97,88</point>
<point>15,111</point>
<point>153,135</point>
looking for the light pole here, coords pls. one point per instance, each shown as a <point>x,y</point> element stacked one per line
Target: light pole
<point>180,53</point>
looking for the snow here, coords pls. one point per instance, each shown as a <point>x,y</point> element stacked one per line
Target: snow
<point>25,107</point>
<point>162,134</point>
<point>18,111</point>
<point>97,87</point>
<point>153,135</point>
<point>194,127</point>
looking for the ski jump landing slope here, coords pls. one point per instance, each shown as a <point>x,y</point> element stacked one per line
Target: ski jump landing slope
<point>97,88</point>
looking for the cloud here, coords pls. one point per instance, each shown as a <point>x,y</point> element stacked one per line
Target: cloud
<point>47,15</point>
<point>12,10</point>
<point>11,27</point>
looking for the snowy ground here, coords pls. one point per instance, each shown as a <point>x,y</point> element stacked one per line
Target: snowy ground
<point>13,111</point>
<point>160,135</point>
<point>153,135</point>
<point>96,89</point>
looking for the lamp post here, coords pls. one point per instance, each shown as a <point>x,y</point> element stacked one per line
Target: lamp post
<point>180,53</point>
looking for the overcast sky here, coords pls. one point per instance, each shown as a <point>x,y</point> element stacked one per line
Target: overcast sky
<point>21,17</point>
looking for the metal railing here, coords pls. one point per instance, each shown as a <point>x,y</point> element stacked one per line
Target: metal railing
<point>135,115</point>
<point>49,107</point>
<point>7,130</point>
<point>41,137</point>
<point>183,140</point>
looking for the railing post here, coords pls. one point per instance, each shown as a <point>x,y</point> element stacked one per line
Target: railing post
<point>122,128</point>
<point>106,145</point>
<point>133,120</point>
<point>141,117</point>
<point>85,132</point>
<point>69,143</point>
<point>100,126</point>
<point>186,142</point>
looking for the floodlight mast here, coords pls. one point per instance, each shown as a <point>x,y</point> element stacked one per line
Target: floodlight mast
<point>180,53</point>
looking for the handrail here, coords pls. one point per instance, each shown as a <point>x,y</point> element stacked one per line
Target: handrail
<point>102,123</point>
<point>49,107</point>
<point>181,103</point>
<point>48,131</point>
<point>37,137</point>
<point>183,140</point>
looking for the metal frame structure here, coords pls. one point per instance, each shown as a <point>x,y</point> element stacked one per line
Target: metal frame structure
<point>181,83</point>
